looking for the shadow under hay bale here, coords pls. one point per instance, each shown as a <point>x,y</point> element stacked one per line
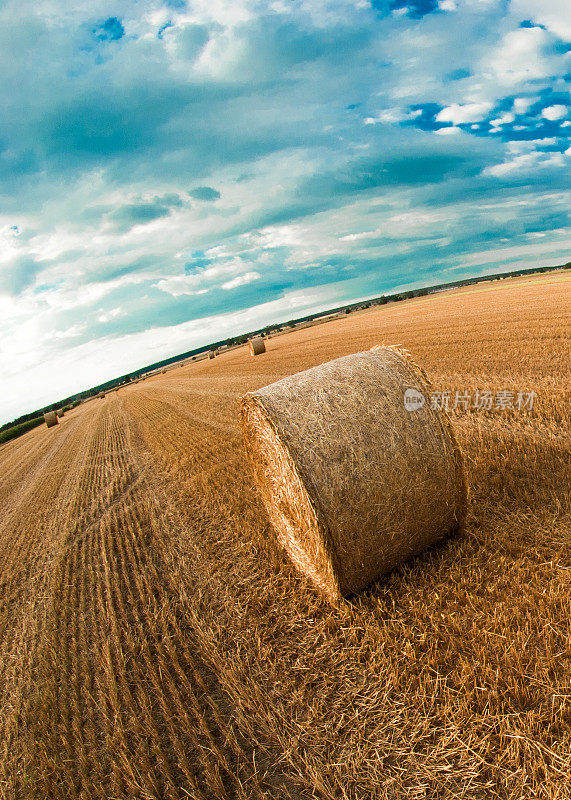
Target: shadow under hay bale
<point>257,346</point>
<point>51,419</point>
<point>353,481</point>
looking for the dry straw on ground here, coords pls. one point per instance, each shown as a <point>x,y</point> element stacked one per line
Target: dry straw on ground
<point>51,419</point>
<point>353,482</point>
<point>257,346</point>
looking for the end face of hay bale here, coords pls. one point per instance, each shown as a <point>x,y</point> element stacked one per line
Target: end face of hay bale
<point>257,346</point>
<point>51,419</point>
<point>354,483</point>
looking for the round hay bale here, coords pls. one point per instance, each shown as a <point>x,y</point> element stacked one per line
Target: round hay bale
<point>211,354</point>
<point>60,412</point>
<point>51,419</point>
<point>163,371</point>
<point>257,346</point>
<point>101,395</point>
<point>353,481</point>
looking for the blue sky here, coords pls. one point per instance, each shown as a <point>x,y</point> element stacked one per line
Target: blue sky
<point>172,172</point>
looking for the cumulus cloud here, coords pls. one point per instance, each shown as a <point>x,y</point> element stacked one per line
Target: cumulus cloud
<point>469,112</point>
<point>557,111</point>
<point>522,56</point>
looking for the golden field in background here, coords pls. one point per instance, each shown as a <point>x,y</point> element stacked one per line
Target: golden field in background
<point>155,643</point>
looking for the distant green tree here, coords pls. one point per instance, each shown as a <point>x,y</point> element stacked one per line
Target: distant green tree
<point>17,430</point>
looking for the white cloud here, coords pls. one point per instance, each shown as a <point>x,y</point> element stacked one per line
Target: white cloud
<point>553,14</point>
<point>504,119</point>
<point>180,285</point>
<point>392,115</point>
<point>241,280</point>
<point>70,333</point>
<point>204,280</point>
<point>516,164</point>
<point>459,114</point>
<point>520,57</point>
<point>112,313</point>
<point>448,131</point>
<point>526,162</point>
<point>554,112</point>
<point>522,104</point>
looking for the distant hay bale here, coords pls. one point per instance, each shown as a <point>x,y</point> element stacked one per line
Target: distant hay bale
<point>101,395</point>
<point>257,346</point>
<point>353,481</point>
<point>60,412</point>
<point>211,354</point>
<point>163,371</point>
<point>51,419</point>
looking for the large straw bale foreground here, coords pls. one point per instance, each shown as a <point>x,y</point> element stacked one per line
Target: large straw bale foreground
<point>354,483</point>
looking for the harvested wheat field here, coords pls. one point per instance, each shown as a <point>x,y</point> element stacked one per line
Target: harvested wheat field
<point>156,643</point>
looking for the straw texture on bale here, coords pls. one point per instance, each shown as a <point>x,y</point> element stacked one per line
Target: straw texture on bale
<point>353,482</point>
<point>60,412</point>
<point>51,419</point>
<point>257,346</point>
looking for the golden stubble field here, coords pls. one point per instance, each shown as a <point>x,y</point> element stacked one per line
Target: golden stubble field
<point>155,644</point>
